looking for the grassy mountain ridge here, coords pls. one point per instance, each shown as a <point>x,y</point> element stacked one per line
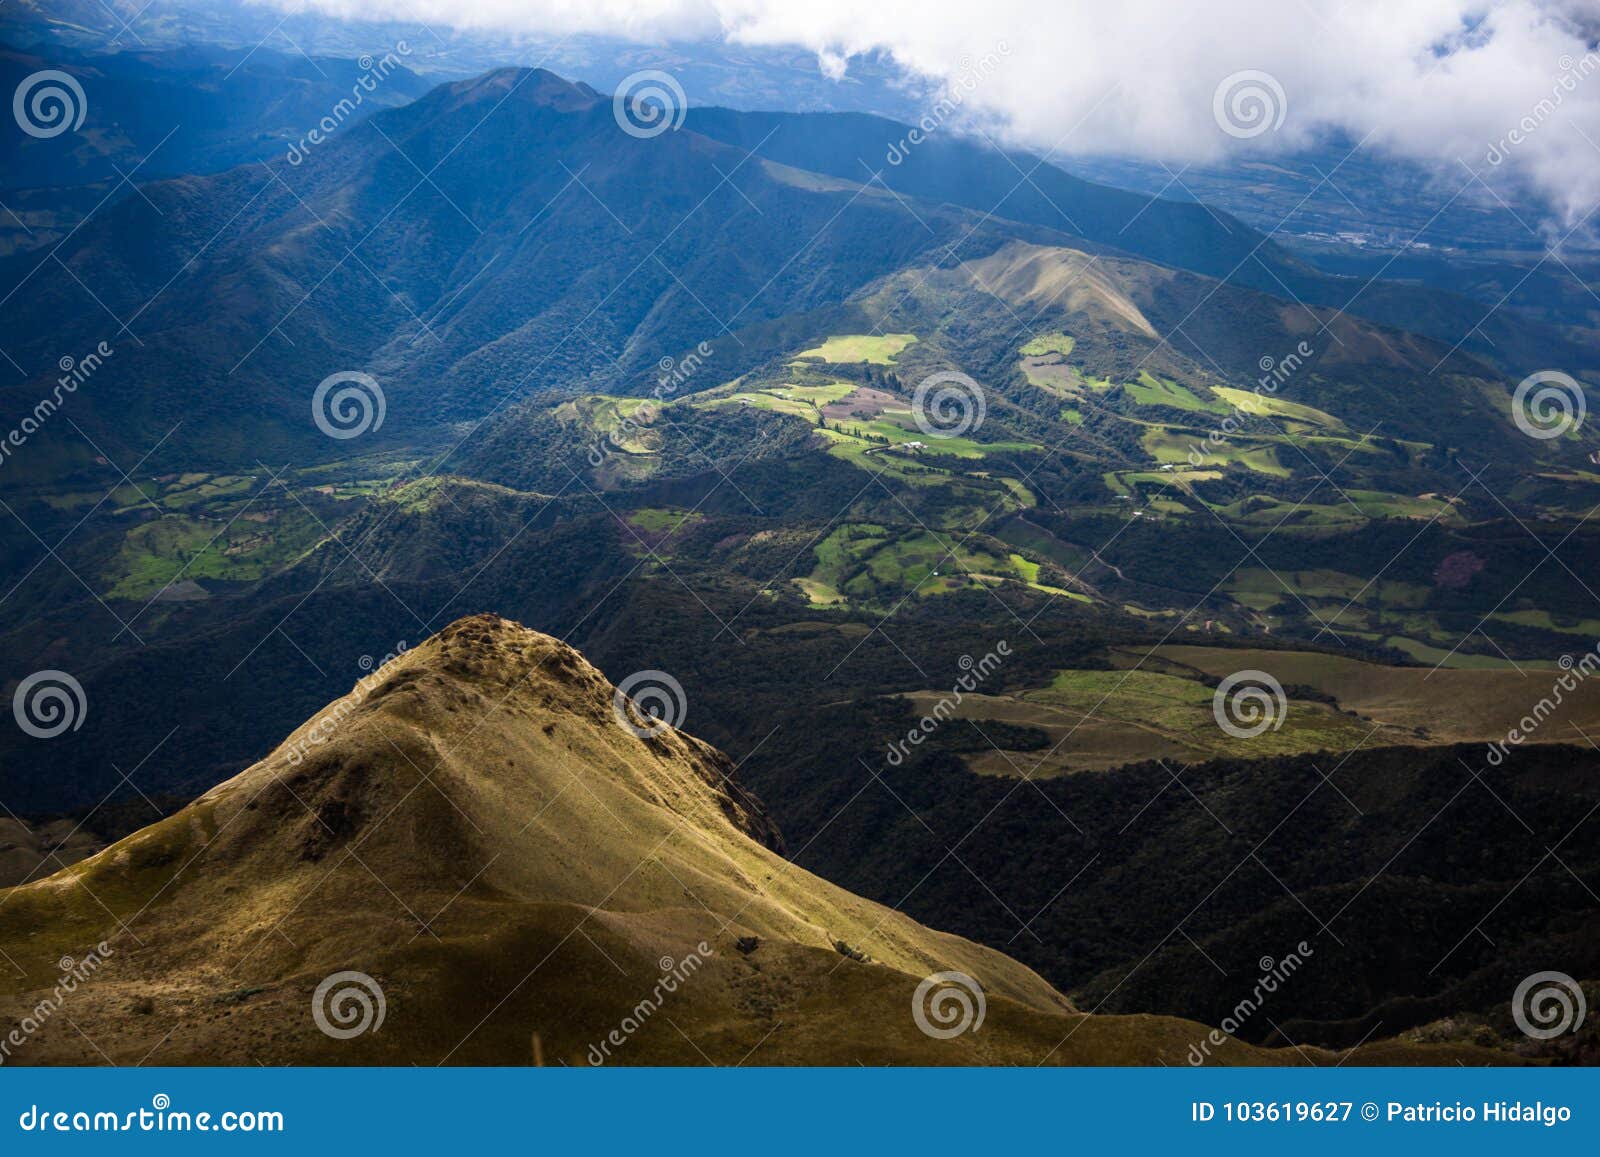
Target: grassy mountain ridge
<point>476,795</point>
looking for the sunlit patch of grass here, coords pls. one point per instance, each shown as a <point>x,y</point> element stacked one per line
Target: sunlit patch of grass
<point>1150,390</point>
<point>182,548</point>
<point>662,520</point>
<point>1049,343</point>
<point>795,400</point>
<point>1167,445</point>
<point>864,562</point>
<point>1266,406</point>
<point>1182,710</point>
<point>1382,504</point>
<point>878,349</point>
<point>819,593</point>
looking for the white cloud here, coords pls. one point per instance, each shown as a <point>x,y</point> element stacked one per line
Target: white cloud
<point>1433,80</point>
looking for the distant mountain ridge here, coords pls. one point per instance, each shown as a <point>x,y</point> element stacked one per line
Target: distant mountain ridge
<point>983,177</point>
<point>497,235</point>
<point>190,110</point>
<point>504,236</point>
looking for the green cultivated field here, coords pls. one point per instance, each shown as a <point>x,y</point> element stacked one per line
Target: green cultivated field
<point>1152,391</point>
<point>871,564</point>
<point>1049,343</point>
<point>861,347</point>
<point>178,548</point>
<point>1168,445</point>
<point>1267,406</point>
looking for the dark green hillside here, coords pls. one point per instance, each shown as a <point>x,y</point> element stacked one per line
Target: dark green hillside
<point>230,108</point>
<point>1119,886</point>
<point>976,174</point>
<point>503,273</point>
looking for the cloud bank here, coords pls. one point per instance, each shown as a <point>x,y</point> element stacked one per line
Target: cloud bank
<point>1510,88</point>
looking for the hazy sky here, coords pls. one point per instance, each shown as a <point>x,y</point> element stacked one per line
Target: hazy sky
<point>1444,81</point>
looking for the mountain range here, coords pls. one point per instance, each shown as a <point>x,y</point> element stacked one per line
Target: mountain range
<point>662,396</point>
<point>504,237</point>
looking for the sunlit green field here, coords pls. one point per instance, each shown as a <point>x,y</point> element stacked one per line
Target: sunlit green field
<point>876,349</point>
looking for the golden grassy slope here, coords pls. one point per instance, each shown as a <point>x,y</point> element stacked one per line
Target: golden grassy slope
<point>29,851</point>
<point>472,828</point>
<point>1039,276</point>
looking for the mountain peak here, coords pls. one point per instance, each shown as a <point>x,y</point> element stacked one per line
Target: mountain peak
<point>467,809</point>
<point>486,648</point>
<point>499,673</point>
<point>537,86</point>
